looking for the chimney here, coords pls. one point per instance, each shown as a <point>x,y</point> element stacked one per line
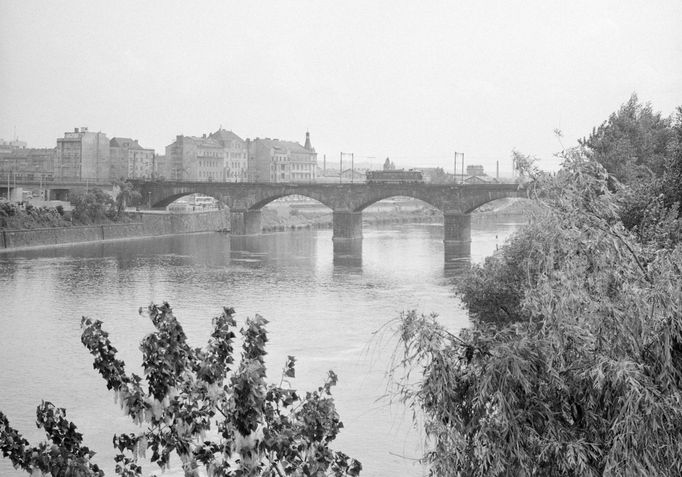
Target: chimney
<point>75,130</point>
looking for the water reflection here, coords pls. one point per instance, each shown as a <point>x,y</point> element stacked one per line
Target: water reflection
<point>457,258</point>
<point>270,249</point>
<point>348,253</point>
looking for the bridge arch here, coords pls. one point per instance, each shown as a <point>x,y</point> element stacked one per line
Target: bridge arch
<point>428,199</point>
<point>175,195</point>
<point>262,202</point>
<point>471,206</point>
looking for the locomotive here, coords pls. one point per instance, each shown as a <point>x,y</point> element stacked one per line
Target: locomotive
<point>395,176</point>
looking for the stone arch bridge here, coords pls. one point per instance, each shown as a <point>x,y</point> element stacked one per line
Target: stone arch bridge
<point>347,201</point>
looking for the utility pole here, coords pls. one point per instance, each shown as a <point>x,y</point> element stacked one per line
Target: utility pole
<point>454,169</point>
<point>341,165</point>
<point>352,167</point>
<point>462,168</point>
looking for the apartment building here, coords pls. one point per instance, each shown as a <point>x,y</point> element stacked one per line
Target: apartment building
<point>235,167</point>
<point>83,155</point>
<point>129,160</point>
<point>272,160</point>
<point>28,163</point>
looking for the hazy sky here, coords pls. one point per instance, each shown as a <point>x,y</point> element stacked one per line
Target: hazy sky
<point>414,80</point>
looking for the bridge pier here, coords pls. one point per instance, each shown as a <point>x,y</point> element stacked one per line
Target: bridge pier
<point>245,222</point>
<point>347,225</point>
<point>457,257</point>
<point>348,253</point>
<point>456,228</point>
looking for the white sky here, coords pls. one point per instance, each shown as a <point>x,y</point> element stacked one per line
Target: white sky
<point>414,80</point>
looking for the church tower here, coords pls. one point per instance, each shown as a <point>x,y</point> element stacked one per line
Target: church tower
<point>308,146</point>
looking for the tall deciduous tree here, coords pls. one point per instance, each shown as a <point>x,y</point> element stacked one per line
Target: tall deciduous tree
<point>633,143</point>
<point>589,382</point>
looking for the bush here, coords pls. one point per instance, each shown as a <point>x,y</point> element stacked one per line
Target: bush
<point>262,430</point>
<point>13,217</point>
<point>92,206</point>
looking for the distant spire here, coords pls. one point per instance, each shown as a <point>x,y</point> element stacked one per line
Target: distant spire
<point>307,141</point>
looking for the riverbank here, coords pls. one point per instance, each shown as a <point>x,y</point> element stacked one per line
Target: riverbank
<point>141,225</point>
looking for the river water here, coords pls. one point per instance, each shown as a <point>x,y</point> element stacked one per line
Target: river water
<point>323,306</point>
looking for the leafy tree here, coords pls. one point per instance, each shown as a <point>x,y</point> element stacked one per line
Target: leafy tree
<point>524,165</point>
<point>62,454</point>
<point>126,196</point>
<point>642,151</point>
<point>590,381</point>
<point>633,143</point>
<point>491,292</point>
<point>255,428</point>
<point>90,206</point>
<point>672,177</point>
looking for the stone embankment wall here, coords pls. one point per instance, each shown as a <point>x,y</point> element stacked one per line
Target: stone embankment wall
<point>145,225</point>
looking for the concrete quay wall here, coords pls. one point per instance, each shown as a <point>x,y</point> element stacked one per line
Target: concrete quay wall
<point>146,225</point>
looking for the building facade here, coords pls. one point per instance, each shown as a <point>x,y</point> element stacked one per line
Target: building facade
<point>272,160</point>
<point>83,155</point>
<point>220,157</point>
<point>235,167</point>
<point>129,160</point>
<point>475,170</point>
<point>28,164</point>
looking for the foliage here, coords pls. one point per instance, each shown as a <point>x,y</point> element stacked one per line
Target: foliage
<point>590,381</point>
<point>13,216</point>
<point>524,165</point>
<point>200,406</point>
<point>672,178</point>
<point>643,152</point>
<point>491,292</point>
<point>92,206</point>
<point>633,143</point>
<point>61,455</point>
<point>127,196</point>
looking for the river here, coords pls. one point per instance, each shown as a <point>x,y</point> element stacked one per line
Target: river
<point>323,307</point>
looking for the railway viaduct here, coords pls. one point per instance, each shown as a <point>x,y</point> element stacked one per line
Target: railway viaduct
<point>347,201</point>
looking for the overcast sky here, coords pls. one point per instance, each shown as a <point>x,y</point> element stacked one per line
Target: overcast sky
<point>414,80</point>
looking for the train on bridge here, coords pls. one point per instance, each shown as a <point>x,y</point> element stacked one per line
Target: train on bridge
<point>395,176</point>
